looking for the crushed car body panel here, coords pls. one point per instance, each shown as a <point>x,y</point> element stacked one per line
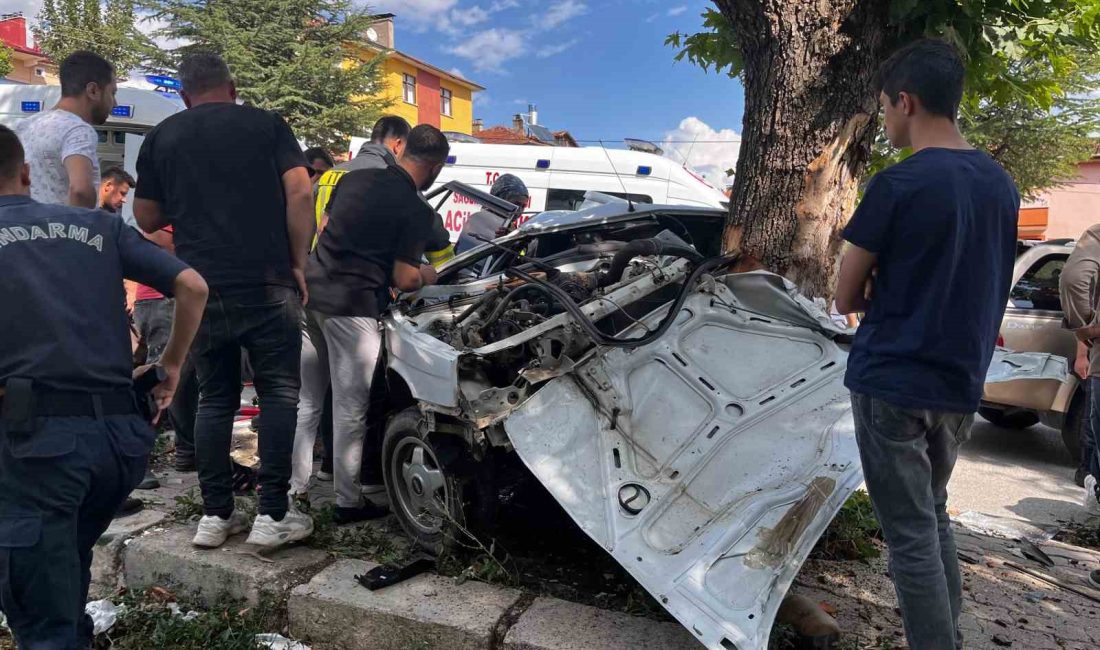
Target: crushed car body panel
<point>709,461</point>
<point>1032,380</point>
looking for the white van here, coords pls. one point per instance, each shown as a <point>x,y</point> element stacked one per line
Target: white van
<point>558,177</point>
<point>120,138</point>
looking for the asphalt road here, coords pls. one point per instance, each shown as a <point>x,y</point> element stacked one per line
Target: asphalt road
<point>1018,475</point>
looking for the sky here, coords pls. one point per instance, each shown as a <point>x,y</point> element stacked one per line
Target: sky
<point>597,68</point>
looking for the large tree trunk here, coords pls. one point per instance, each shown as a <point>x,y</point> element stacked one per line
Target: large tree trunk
<point>810,110</point>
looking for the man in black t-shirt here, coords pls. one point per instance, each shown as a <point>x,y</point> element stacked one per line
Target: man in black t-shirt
<point>934,238</point>
<point>375,238</point>
<point>233,183</point>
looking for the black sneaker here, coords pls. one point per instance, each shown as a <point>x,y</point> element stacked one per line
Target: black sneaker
<point>184,462</point>
<point>129,506</point>
<point>150,482</point>
<point>365,512</point>
<point>1094,578</point>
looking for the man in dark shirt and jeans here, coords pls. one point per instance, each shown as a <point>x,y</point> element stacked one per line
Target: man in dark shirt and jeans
<point>233,183</point>
<point>930,261</point>
<point>375,238</point>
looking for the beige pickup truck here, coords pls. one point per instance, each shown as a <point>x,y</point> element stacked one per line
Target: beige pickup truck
<point>1031,378</point>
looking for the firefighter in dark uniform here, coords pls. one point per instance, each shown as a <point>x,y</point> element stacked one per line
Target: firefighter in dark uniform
<point>74,436</point>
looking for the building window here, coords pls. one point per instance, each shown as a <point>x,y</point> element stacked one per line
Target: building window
<point>408,85</point>
<point>445,101</point>
<point>40,72</point>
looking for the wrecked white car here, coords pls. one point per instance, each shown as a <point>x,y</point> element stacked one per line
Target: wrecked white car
<point>691,421</point>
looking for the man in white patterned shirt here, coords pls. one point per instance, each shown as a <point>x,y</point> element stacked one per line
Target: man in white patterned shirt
<point>60,143</point>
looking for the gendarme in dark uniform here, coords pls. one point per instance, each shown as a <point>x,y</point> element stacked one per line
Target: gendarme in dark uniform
<point>70,453</point>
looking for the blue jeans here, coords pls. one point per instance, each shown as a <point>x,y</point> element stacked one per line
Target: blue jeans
<point>266,322</point>
<point>59,489</point>
<point>1090,451</point>
<point>908,456</point>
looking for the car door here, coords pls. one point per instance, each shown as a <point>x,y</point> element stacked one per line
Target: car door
<point>709,461</point>
<point>1033,319</point>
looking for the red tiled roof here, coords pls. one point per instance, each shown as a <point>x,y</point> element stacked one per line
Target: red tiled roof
<point>505,135</point>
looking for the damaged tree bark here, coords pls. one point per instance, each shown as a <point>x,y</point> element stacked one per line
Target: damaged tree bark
<point>810,109</point>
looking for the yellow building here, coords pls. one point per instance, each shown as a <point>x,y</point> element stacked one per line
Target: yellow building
<point>420,92</point>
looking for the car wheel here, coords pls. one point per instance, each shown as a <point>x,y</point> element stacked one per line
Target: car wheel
<point>1074,425</point>
<point>1009,419</point>
<point>426,482</point>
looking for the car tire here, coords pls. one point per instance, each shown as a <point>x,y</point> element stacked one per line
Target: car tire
<point>1074,425</point>
<point>1014,419</point>
<point>428,480</point>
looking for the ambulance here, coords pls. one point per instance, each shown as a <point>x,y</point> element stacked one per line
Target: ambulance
<point>558,177</point>
<point>136,113</point>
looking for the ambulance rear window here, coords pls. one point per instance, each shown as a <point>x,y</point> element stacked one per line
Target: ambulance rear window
<point>561,199</point>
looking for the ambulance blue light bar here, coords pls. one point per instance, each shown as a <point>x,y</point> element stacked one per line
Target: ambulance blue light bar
<point>123,110</point>
<point>30,107</point>
<point>644,170</point>
<point>543,164</point>
<point>164,82</point>
<point>452,160</point>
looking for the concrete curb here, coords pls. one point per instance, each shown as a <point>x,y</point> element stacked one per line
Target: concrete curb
<point>167,558</point>
<point>327,608</point>
<point>428,611</point>
<point>107,574</point>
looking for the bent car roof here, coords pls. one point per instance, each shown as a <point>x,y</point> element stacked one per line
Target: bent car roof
<point>609,213</point>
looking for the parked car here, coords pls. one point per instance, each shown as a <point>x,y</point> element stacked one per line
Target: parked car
<point>691,421</point>
<point>1030,380</point>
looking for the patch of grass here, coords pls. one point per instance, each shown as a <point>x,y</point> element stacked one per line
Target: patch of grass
<point>1080,534</point>
<point>362,541</point>
<point>853,533</point>
<point>188,506</point>
<point>147,622</point>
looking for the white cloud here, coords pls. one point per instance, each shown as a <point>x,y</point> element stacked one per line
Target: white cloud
<point>490,49</point>
<point>560,13</point>
<point>653,18</point>
<point>676,11</point>
<point>416,15</point>
<point>456,72</point>
<point>554,50</point>
<point>469,16</point>
<point>707,150</point>
<point>482,99</point>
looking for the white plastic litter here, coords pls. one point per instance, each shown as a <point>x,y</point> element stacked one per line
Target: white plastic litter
<point>187,618</point>
<point>104,613</point>
<point>279,642</point>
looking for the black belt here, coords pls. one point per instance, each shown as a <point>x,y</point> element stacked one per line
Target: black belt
<point>50,403</point>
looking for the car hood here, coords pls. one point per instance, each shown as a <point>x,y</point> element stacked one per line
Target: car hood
<point>708,462</point>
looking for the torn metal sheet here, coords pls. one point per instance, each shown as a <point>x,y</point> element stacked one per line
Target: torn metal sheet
<point>1008,365</point>
<point>1030,380</point>
<point>708,462</point>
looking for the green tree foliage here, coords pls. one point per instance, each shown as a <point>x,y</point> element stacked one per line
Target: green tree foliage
<point>289,56</point>
<point>810,95</point>
<point>1031,66</point>
<point>5,61</point>
<point>1040,147</point>
<point>106,28</point>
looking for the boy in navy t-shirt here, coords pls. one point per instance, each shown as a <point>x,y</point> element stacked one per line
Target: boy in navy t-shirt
<point>932,246</point>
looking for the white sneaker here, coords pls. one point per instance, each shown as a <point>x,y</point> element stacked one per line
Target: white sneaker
<point>269,533</point>
<point>213,530</point>
<point>1091,503</point>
